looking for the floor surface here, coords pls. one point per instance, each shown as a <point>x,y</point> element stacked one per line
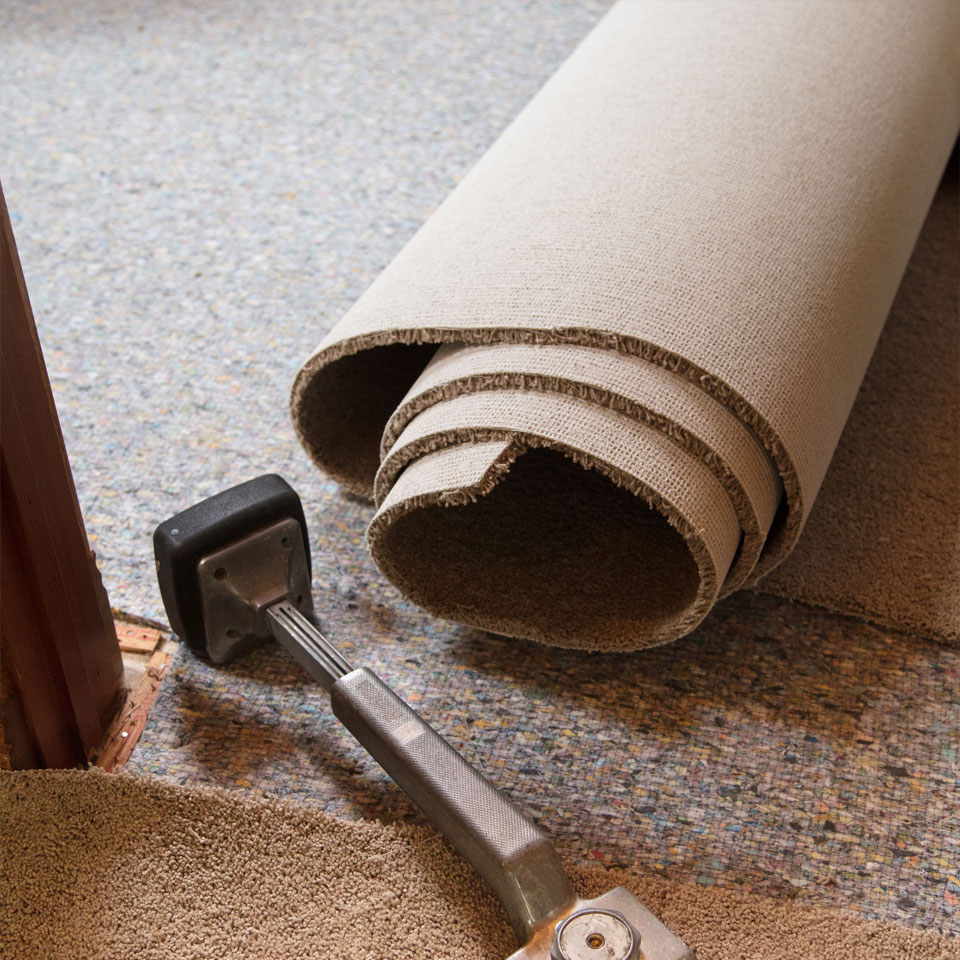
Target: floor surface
<point>779,749</point>
<point>198,193</point>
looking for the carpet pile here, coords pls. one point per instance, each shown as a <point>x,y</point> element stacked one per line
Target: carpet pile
<point>99,864</point>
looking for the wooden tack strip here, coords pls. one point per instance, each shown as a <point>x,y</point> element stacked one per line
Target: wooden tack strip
<point>125,731</point>
<point>137,639</point>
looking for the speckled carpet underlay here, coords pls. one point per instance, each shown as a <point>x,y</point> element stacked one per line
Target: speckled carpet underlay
<point>775,751</point>
<point>638,325</point>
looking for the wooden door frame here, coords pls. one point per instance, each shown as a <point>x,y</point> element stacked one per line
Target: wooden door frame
<point>60,662</point>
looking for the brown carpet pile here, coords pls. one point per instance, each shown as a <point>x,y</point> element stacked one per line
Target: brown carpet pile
<point>103,865</point>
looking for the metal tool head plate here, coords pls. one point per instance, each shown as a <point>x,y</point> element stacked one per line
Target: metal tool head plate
<point>595,934</point>
<point>181,543</point>
<point>239,582</point>
<point>613,926</point>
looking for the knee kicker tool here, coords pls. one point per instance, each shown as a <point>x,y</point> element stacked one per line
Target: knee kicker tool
<point>234,570</point>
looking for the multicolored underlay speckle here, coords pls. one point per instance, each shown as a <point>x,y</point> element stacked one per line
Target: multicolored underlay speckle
<point>780,749</point>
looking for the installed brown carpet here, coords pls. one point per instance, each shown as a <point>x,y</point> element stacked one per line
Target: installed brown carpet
<point>655,299</point>
<point>99,865</point>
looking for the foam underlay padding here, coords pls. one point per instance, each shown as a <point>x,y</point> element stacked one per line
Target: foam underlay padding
<point>601,387</point>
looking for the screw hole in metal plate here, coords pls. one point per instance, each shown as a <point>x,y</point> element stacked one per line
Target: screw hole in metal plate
<point>220,573</point>
<point>233,633</point>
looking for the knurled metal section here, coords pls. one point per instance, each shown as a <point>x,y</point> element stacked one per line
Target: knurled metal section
<point>480,806</point>
<point>369,693</point>
<point>451,791</point>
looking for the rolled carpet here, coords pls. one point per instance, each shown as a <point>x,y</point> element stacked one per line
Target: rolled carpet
<point>108,865</point>
<point>602,385</point>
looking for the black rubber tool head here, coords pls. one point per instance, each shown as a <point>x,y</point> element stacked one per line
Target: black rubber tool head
<point>181,542</point>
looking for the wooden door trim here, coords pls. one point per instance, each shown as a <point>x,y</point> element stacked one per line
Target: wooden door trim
<point>62,662</point>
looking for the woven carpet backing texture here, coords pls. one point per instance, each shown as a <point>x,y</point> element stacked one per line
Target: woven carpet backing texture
<point>657,295</point>
<point>166,388</point>
<point>101,865</point>
<point>883,540</point>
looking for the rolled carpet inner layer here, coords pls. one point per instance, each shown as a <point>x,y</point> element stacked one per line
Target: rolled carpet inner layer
<point>601,386</point>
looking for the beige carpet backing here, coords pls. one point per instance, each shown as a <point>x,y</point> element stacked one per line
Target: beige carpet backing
<point>99,865</point>
<point>883,540</point>
<point>601,387</point>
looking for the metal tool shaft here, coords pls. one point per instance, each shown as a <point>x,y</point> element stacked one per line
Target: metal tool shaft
<point>234,570</point>
<point>507,849</point>
<point>307,645</point>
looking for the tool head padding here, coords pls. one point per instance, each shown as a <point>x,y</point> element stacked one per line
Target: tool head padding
<point>181,542</point>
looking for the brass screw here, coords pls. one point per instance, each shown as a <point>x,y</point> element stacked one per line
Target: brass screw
<point>595,941</point>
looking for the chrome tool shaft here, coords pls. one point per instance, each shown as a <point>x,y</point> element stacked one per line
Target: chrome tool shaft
<point>307,645</point>
<point>235,570</point>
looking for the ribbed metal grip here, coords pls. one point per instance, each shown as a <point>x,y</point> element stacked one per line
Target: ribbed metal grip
<point>511,853</point>
<point>304,642</point>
